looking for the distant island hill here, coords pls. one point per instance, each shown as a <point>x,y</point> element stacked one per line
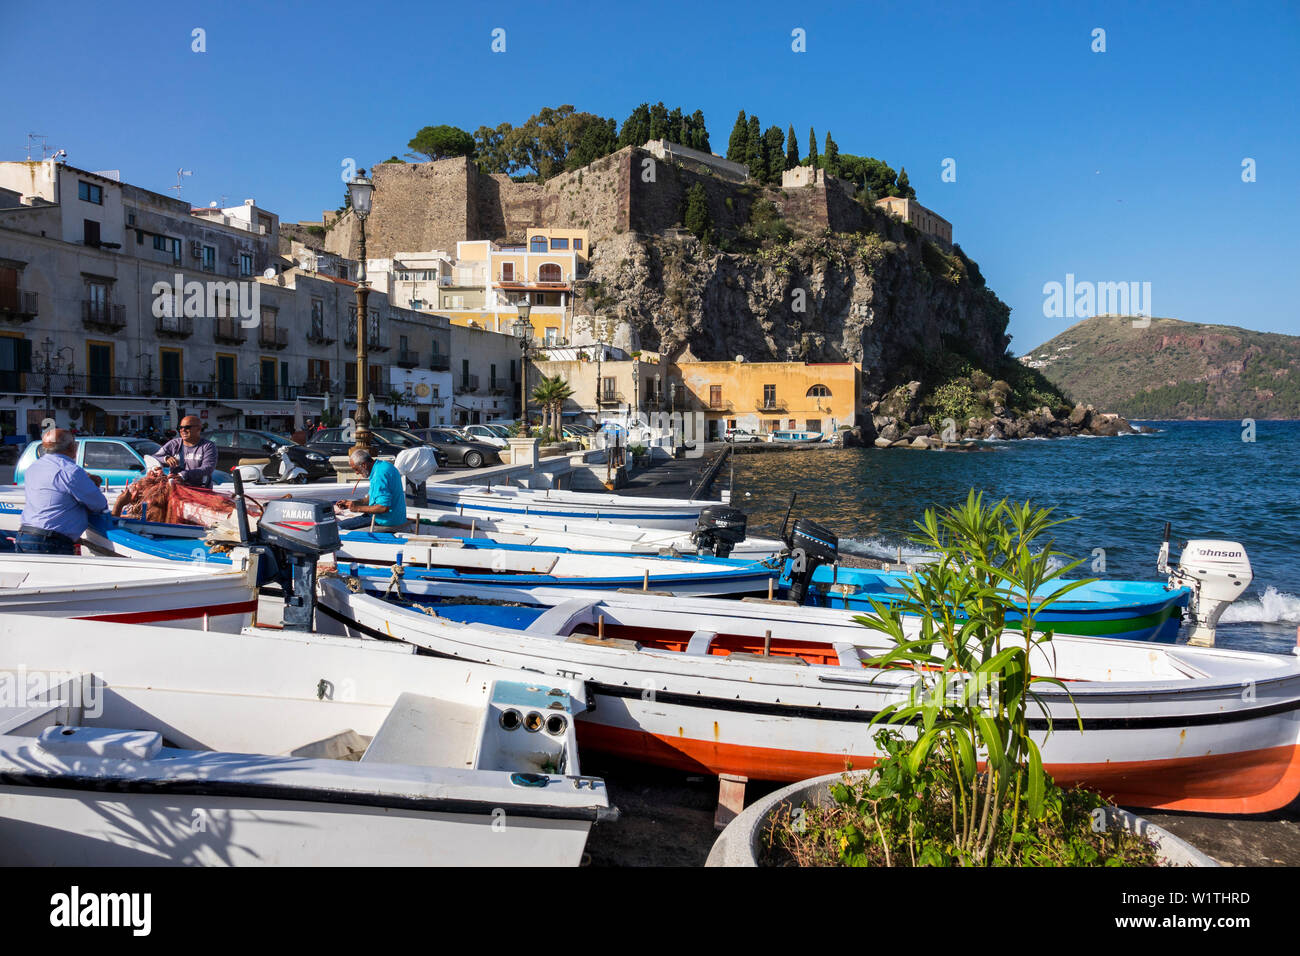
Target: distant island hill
<point>1163,368</point>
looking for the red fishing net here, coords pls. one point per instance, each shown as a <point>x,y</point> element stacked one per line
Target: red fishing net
<point>156,498</point>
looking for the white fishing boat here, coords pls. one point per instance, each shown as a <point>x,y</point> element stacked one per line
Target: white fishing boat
<point>575,534</point>
<point>127,745</point>
<point>204,595</point>
<point>783,693</point>
<point>508,501</point>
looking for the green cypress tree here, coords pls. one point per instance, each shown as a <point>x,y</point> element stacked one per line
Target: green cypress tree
<point>736,146</point>
<point>774,146</point>
<point>904,187</point>
<point>812,148</point>
<point>696,218</point>
<point>755,155</point>
<point>831,161</point>
<point>791,149</point>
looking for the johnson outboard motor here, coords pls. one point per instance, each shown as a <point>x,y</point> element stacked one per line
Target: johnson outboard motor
<point>810,546</point>
<point>718,530</point>
<point>297,533</point>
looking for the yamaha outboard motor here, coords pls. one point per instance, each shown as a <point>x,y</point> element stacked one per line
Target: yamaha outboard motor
<point>810,546</point>
<point>718,530</point>
<point>298,533</point>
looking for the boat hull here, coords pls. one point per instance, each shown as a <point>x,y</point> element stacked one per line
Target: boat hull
<point>1154,734</point>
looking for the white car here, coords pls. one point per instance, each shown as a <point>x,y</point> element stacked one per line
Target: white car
<point>490,434</point>
<point>743,435</point>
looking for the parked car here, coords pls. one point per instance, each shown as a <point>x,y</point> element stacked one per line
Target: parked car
<point>458,449</point>
<point>743,435</point>
<point>115,461</point>
<point>331,441</point>
<point>237,444</point>
<point>495,435</point>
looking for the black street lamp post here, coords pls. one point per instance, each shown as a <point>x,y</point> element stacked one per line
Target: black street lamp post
<point>360,190</point>
<point>523,331</point>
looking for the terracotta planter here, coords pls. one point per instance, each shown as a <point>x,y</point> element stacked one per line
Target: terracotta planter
<point>740,843</point>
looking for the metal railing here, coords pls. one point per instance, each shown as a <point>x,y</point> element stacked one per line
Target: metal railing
<point>272,337</point>
<point>179,326</point>
<point>320,338</point>
<point>17,304</point>
<point>610,398</point>
<point>407,358</point>
<point>102,316</point>
<point>775,405</point>
<point>260,391</point>
<point>230,331</point>
<point>469,383</point>
<point>439,362</point>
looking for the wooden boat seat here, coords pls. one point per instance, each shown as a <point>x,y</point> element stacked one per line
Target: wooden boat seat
<point>620,643</point>
<point>699,643</point>
<point>749,657</point>
<point>426,732</point>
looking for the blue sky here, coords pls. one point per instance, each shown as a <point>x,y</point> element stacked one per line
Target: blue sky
<point>1123,165</point>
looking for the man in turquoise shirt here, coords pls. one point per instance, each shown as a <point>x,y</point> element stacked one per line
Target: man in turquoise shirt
<point>386,503</point>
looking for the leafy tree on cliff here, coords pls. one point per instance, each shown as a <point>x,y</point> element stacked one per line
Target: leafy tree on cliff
<point>544,143</point>
<point>441,142</point>
<point>696,218</point>
<point>636,128</point>
<point>392,159</point>
<point>812,148</point>
<point>774,147</point>
<point>659,128</point>
<point>791,149</point>
<point>738,145</point>
<point>490,148</point>
<point>598,139</point>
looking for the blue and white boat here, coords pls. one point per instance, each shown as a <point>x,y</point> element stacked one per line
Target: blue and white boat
<point>794,434</point>
<point>504,501</point>
<point>409,564</point>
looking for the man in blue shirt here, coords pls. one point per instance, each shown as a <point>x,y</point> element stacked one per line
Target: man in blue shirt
<point>386,503</point>
<point>60,497</point>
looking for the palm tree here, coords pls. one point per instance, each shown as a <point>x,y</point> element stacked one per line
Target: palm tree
<point>551,393</point>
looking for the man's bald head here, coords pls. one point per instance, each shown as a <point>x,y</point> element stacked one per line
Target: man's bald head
<point>57,441</point>
<point>191,429</point>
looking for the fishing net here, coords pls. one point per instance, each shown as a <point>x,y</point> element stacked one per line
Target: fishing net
<point>158,499</point>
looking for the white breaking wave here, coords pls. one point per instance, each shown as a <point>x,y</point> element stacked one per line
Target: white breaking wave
<point>1271,607</point>
<point>886,549</point>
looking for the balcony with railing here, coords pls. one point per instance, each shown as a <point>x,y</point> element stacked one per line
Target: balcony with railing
<point>174,326</point>
<point>407,358</point>
<point>318,386</point>
<point>102,316</point>
<point>317,336</point>
<point>229,331</point>
<point>609,397</point>
<point>262,391</point>
<point>17,305</point>
<point>720,405</point>
<point>374,341</point>
<point>272,337</point>
<point>770,405</point>
<point>438,362</point>
<point>468,383</point>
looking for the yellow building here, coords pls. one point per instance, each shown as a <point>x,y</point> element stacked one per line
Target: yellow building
<point>771,396</point>
<point>487,281</point>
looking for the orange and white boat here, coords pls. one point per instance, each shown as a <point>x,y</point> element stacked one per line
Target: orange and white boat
<point>784,693</point>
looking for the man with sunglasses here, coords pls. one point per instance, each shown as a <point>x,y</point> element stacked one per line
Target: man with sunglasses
<point>60,497</point>
<point>190,457</point>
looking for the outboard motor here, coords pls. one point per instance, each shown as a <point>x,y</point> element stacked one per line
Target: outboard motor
<point>718,530</point>
<point>297,534</point>
<point>810,546</point>
<point>1218,572</point>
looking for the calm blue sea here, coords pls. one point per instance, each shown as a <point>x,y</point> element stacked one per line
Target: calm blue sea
<point>1200,476</point>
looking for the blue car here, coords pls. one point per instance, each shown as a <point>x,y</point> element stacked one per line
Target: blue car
<point>115,461</point>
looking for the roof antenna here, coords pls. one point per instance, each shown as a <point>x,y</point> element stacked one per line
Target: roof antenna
<point>179,174</point>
